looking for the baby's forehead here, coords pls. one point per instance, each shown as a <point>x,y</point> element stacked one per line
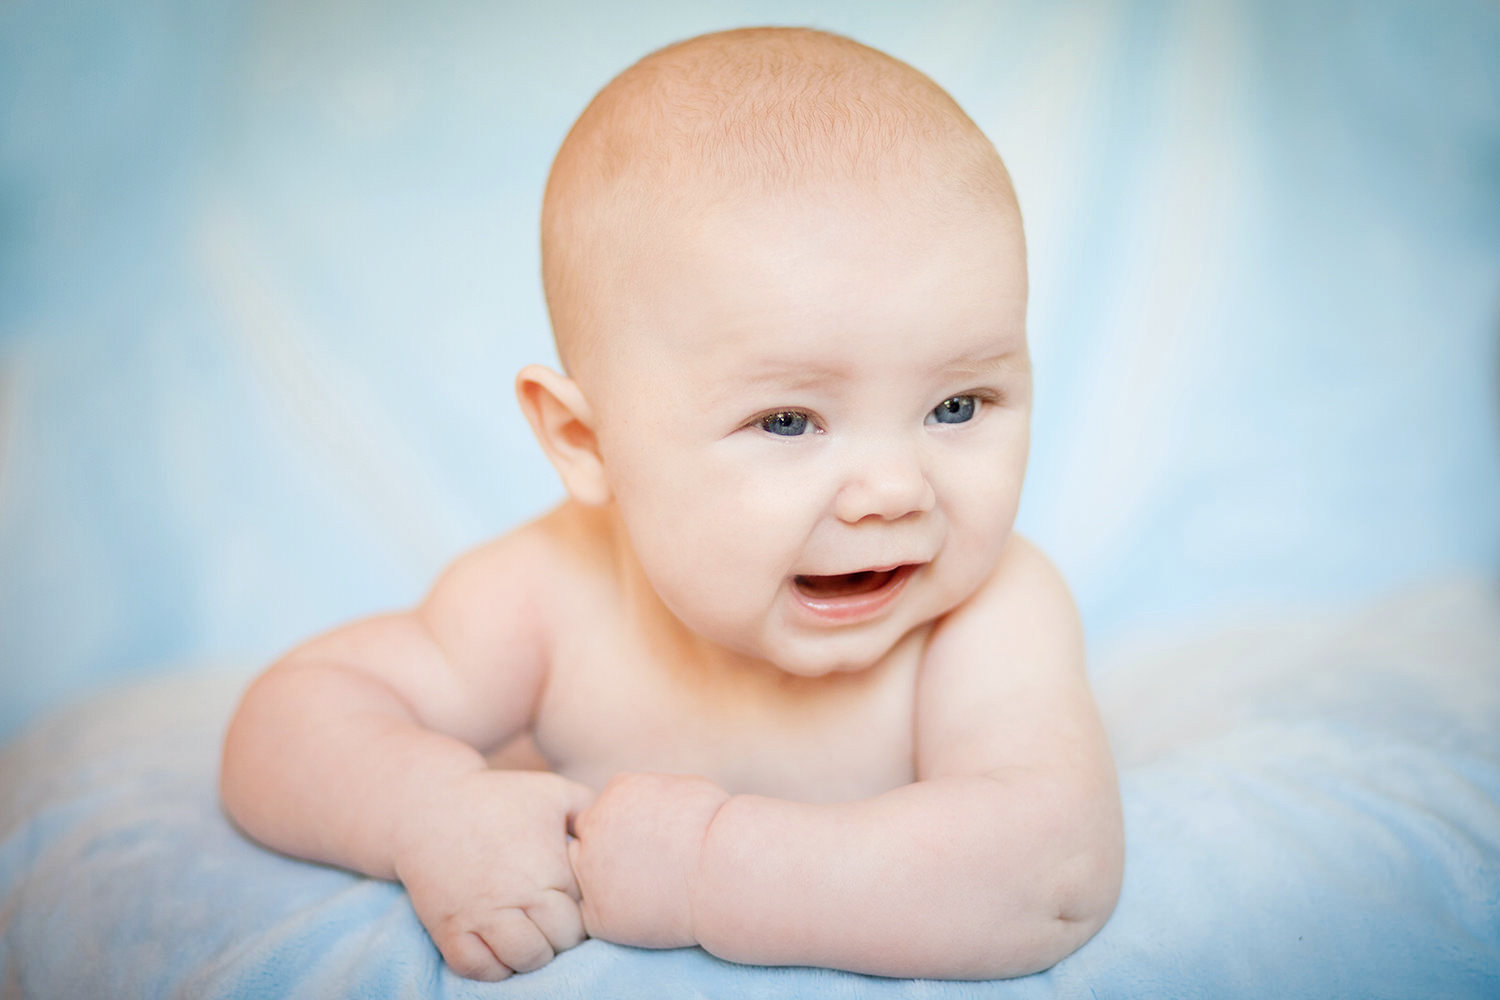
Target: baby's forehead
<point>799,280</point>
<point>737,115</point>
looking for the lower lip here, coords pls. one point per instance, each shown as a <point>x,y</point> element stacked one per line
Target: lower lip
<point>854,607</point>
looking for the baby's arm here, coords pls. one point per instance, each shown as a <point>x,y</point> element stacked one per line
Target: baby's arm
<point>1002,858</point>
<point>363,749</point>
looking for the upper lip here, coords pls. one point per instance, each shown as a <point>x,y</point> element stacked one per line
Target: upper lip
<point>877,568</point>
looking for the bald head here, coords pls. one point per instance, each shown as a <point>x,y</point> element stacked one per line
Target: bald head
<point>738,115</point>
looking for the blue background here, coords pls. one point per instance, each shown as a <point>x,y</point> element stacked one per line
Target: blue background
<point>267,271</point>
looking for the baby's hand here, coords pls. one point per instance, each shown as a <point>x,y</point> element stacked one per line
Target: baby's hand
<point>636,856</point>
<point>486,864</point>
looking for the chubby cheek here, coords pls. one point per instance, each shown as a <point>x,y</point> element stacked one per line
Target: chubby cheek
<point>715,542</point>
<point>980,518</point>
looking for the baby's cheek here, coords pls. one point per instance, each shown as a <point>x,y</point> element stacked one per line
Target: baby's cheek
<point>972,560</point>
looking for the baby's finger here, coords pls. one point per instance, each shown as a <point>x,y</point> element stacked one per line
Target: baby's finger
<point>578,798</point>
<point>469,956</point>
<point>558,918</point>
<point>571,886</point>
<point>516,941</point>
<point>588,916</point>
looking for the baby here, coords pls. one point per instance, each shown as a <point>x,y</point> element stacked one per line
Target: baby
<point>794,690</point>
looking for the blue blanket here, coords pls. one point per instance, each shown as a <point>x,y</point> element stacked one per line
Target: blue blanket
<point>266,271</point>
<point>1312,809</point>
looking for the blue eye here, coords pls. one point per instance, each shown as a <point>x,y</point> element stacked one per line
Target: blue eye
<point>787,423</point>
<point>955,410</point>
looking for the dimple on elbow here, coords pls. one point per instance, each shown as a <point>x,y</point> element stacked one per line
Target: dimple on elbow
<point>1086,895</point>
<point>1059,934</point>
<point>1064,919</point>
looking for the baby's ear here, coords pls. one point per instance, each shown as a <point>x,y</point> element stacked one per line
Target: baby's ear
<point>563,423</point>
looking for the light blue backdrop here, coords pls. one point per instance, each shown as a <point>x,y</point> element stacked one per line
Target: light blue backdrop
<point>267,270</point>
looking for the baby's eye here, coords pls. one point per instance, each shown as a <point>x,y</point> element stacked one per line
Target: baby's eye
<point>787,423</point>
<point>954,410</point>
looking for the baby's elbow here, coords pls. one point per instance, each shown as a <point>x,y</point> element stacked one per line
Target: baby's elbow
<point>1087,871</point>
<point>237,777</point>
<point>1073,903</point>
<point>1084,897</point>
<point>248,745</point>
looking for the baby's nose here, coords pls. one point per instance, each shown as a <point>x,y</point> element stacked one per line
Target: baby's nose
<point>888,483</point>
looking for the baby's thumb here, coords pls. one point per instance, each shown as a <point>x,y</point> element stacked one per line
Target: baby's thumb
<point>574,849</point>
<point>585,906</point>
<point>579,798</point>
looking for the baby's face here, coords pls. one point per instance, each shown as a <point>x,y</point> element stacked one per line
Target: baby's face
<point>816,425</point>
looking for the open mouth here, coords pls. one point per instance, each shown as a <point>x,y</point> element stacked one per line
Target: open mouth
<point>846,584</point>
<point>851,595</point>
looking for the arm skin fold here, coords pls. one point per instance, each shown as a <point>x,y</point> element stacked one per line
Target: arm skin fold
<point>325,764</point>
<point>966,877</point>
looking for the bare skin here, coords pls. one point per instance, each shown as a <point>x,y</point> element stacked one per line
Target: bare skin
<point>786,675</point>
<point>902,820</point>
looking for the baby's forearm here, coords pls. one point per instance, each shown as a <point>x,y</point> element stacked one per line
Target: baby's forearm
<point>324,763</point>
<point>959,877</point>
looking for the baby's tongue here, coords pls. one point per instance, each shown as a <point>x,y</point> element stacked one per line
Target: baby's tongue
<point>842,584</point>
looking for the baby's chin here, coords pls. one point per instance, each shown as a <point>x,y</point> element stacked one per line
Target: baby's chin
<point>829,655</point>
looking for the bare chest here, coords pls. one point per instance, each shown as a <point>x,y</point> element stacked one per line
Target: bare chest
<point>612,705</point>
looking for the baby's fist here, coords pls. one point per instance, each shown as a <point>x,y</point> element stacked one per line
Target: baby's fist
<point>484,860</point>
<point>636,857</point>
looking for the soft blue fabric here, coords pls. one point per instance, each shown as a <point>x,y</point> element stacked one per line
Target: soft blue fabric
<point>1312,810</point>
<point>267,271</point>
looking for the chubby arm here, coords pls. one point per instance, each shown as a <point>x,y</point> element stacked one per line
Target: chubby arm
<point>1002,858</point>
<point>333,744</point>
<point>364,748</point>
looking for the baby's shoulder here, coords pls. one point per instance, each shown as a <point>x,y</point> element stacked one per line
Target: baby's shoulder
<point>536,565</point>
<point>1001,668</point>
<point>1024,602</point>
<point>1023,582</point>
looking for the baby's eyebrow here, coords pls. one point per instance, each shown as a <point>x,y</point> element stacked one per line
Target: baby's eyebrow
<point>791,376</point>
<point>1005,361</point>
<point>772,378</point>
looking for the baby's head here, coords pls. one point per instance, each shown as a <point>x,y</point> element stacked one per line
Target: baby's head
<point>787,280</point>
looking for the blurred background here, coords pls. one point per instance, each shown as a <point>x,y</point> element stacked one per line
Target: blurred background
<point>268,269</point>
